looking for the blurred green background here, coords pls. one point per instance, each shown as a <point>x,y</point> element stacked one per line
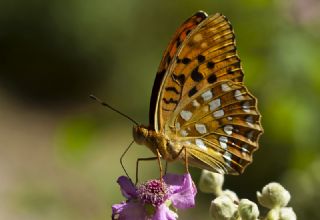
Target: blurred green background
<point>59,151</point>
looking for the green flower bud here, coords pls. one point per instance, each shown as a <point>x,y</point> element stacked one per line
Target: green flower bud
<point>223,208</point>
<point>211,182</point>
<point>248,210</point>
<point>273,195</point>
<point>273,214</point>
<point>287,213</point>
<point>232,195</point>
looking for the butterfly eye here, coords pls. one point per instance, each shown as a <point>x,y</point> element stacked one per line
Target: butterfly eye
<point>140,134</point>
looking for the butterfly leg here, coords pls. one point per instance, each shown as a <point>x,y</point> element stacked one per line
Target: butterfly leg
<point>159,163</point>
<point>137,165</point>
<point>121,159</point>
<point>166,168</point>
<point>158,157</point>
<point>185,158</point>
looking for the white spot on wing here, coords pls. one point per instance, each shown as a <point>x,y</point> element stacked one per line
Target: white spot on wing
<point>229,118</point>
<point>187,143</point>
<point>223,142</point>
<point>184,133</point>
<point>244,149</point>
<point>228,129</point>
<point>225,87</point>
<point>186,115</point>
<point>238,95</point>
<point>195,103</point>
<point>218,114</point>
<point>207,95</point>
<point>177,126</point>
<point>249,121</point>
<point>201,145</point>
<point>250,135</point>
<point>246,107</point>
<point>214,104</point>
<point>227,155</point>
<point>201,128</point>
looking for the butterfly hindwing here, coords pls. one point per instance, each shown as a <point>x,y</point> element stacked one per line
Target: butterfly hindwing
<point>220,125</point>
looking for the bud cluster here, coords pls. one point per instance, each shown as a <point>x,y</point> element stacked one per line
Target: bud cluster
<point>227,206</point>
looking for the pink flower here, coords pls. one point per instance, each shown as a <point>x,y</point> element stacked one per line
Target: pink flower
<point>155,200</point>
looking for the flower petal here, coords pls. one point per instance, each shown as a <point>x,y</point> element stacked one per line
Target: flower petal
<point>117,209</point>
<point>128,190</point>
<point>164,213</point>
<point>128,211</point>
<point>183,190</point>
<point>175,181</point>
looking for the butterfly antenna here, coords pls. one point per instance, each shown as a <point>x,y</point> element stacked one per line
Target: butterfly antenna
<point>113,109</point>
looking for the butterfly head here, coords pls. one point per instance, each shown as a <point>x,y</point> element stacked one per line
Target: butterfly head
<point>140,134</point>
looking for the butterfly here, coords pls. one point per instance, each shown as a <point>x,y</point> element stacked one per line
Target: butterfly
<point>200,110</point>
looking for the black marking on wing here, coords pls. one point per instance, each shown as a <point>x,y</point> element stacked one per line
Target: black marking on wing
<point>192,91</point>
<point>154,96</point>
<point>201,58</point>
<point>186,60</point>
<point>171,100</point>
<point>173,89</point>
<point>210,65</point>
<point>196,75</point>
<point>201,16</point>
<point>178,42</point>
<point>168,59</point>
<point>179,79</point>
<point>230,71</point>
<point>212,78</point>
<point>233,68</point>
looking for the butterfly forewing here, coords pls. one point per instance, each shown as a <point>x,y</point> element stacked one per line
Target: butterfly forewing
<point>178,39</point>
<point>207,55</point>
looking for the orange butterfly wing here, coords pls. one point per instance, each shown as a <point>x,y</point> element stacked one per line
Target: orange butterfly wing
<point>181,34</point>
<point>220,127</point>
<point>208,54</point>
<point>199,101</point>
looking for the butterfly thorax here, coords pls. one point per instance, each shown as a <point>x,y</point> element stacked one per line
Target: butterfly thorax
<point>153,140</point>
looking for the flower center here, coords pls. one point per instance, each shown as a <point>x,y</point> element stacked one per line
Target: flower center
<point>153,192</point>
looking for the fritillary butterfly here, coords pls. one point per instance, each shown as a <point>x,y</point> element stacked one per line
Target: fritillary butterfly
<point>199,102</point>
